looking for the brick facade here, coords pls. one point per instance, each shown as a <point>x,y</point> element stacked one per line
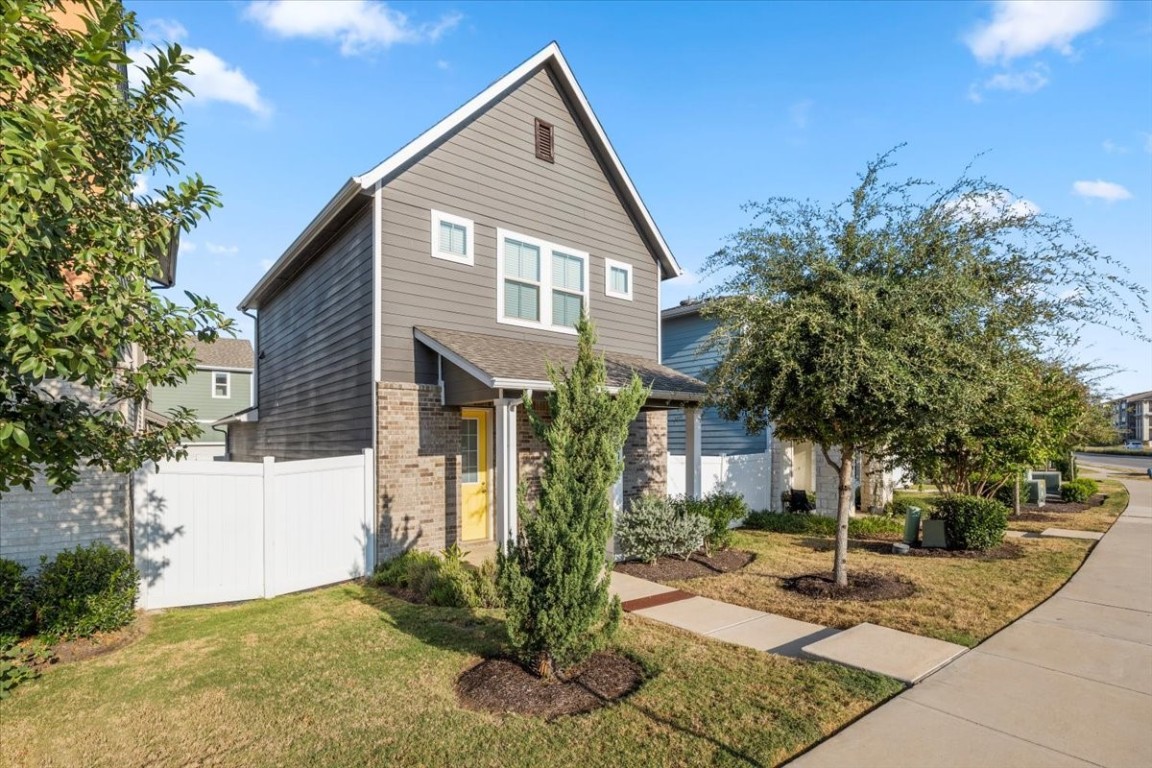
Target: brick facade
<point>646,456</point>
<point>418,469</point>
<point>418,465</point>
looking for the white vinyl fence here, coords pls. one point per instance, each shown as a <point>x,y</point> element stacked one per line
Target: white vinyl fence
<point>213,532</point>
<point>745,474</point>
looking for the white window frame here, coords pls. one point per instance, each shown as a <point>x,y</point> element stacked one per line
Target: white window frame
<point>469,257</point>
<point>546,287</point>
<point>609,265</point>
<point>227,385</point>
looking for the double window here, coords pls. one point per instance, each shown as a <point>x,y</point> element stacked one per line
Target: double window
<point>221,384</point>
<point>452,238</point>
<point>540,284</point>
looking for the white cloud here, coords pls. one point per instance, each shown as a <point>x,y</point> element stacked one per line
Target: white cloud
<point>212,78</point>
<point>1113,148</point>
<point>359,26</point>
<point>1101,190</point>
<point>1028,81</point>
<point>443,65</point>
<point>139,185</point>
<point>224,249</point>
<point>266,264</point>
<point>1148,143</point>
<point>992,205</point>
<point>1025,27</point>
<point>800,113</point>
<point>187,246</point>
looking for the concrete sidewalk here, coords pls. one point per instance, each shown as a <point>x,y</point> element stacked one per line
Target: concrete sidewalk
<point>1068,684</point>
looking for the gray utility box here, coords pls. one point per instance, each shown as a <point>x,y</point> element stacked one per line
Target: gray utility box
<point>1051,480</point>
<point>1035,492</point>
<point>912,525</point>
<point>934,536</point>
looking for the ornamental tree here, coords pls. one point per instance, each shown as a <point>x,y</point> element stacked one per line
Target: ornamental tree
<point>85,336</point>
<point>868,325</point>
<point>553,579</point>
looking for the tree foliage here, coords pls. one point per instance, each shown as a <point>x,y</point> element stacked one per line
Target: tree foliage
<point>85,336</point>
<point>553,582</point>
<point>870,324</point>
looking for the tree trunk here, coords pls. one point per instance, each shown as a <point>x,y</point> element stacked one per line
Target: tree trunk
<point>1016,495</point>
<point>843,515</point>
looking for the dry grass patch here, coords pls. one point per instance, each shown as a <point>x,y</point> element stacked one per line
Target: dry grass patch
<point>351,676</point>
<point>1074,517</point>
<point>961,600</point>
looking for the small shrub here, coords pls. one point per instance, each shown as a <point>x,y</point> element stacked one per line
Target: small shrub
<point>399,571</point>
<point>899,506</point>
<point>720,509</point>
<point>815,525</point>
<point>16,610</point>
<point>652,527</point>
<point>1079,490</point>
<point>972,522</point>
<point>484,583</point>
<point>1066,467</point>
<point>19,663</point>
<point>798,509</point>
<point>86,590</point>
<point>446,582</point>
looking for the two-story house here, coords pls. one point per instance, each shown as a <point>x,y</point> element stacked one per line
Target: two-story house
<point>762,467</point>
<point>429,295</point>
<point>220,386</point>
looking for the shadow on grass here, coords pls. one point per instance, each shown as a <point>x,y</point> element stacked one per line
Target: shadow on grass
<point>480,633</point>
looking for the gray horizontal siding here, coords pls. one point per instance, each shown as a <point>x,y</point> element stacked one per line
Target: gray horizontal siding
<point>488,172</point>
<point>314,339</point>
<point>685,351</point>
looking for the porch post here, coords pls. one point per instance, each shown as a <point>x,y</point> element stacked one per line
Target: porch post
<point>692,451</point>
<point>506,471</point>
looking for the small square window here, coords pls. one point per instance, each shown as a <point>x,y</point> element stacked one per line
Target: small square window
<point>221,384</point>
<point>452,238</point>
<point>617,279</point>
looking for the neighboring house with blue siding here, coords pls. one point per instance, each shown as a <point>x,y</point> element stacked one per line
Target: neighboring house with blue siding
<point>220,386</point>
<point>760,467</point>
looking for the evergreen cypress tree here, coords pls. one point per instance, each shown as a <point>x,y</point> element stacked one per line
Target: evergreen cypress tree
<point>553,581</point>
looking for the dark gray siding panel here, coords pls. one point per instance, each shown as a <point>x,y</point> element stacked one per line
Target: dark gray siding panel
<point>488,172</point>
<point>684,351</point>
<point>314,340</point>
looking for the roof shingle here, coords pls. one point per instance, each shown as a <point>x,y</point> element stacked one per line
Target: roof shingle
<point>520,360</point>
<point>224,353</point>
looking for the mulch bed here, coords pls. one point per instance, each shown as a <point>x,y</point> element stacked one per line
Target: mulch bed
<point>99,644</point>
<point>1045,513</point>
<point>1009,550</point>
<point>862,587</point>
<point>675,568</point>
<point>502,686</point>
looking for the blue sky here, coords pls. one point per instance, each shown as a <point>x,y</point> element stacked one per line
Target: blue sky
<point>708,105</point>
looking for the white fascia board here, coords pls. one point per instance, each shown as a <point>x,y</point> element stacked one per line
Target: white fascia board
<point>250,415</point>
<point>345,195</point>
<point>229,369</point>
<point>466,365</point>
<point>492,93</point>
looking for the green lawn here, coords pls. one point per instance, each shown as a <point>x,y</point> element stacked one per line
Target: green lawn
<point>957,599</point>
<point>349,676</point>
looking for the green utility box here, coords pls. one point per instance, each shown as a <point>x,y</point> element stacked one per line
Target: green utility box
<point>912,525</point>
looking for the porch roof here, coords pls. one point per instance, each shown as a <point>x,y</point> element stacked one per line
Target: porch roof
<point>503,363</point>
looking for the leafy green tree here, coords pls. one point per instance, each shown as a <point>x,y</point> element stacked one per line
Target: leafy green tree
<point>868,325</point>
<point>84,335</point>
<point>553,579</point>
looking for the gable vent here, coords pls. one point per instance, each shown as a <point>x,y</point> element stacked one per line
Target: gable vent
<point>545,144</point>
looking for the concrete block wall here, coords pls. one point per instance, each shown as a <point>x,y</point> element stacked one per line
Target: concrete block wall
<point>41,522</point>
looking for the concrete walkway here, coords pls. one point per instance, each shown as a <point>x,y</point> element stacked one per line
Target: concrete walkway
<point>1068,684</point>
<point>905,656</point>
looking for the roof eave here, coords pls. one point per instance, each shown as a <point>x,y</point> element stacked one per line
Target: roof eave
<point>347,193</point>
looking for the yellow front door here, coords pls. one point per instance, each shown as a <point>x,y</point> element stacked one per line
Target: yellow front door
<point>474,474</point>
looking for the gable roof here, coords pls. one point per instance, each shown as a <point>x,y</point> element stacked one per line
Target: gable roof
<point>364,184</point>
<point>224,353</point>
